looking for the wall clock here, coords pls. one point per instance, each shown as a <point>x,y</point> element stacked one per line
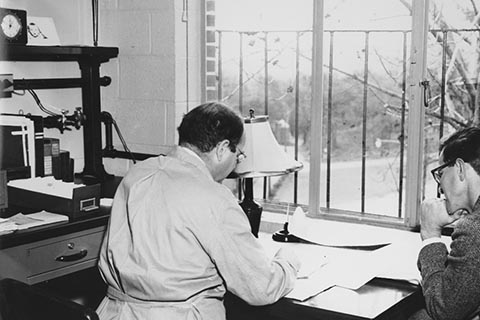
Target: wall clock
<point>13,26</point>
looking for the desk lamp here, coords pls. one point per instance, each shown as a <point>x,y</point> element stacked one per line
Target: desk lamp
<point>264,158</point>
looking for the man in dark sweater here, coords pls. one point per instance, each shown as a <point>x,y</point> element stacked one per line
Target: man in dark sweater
<point>451,280</point>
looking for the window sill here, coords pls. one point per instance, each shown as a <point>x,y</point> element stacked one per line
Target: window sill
<point>280,209</point>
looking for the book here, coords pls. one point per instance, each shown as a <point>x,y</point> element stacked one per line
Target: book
<point>51,149</point>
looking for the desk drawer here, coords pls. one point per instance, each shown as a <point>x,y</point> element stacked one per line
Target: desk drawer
<point>64,253</point>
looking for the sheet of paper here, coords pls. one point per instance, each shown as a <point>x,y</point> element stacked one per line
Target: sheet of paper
<point>306,288</point>
<point>22,221</point>
<point>7,227</point>
<point>324,267</point>
<point>348,270</point>
<point>328,233</point>
<point>312,258</point>
<point>399,260</point>
<point>47,185</point>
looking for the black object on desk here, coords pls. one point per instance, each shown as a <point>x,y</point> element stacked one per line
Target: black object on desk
<point>285,236</point>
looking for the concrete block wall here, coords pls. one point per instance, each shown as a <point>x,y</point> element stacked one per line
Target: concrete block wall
<point>156,78</point>
<point>158,70</point>
<point>211,44</point>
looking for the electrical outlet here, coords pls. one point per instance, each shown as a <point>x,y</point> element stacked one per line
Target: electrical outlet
<point>6,85</point>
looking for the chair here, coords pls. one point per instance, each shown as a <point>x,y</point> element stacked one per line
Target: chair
<point>20,301</point>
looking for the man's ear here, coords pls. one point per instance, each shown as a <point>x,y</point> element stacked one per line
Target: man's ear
<point>221,149</point>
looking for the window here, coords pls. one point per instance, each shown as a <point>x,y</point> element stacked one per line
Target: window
<point>366,139</point>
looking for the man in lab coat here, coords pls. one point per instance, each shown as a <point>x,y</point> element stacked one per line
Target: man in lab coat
<point>177,238</point>
<point>451,278</point>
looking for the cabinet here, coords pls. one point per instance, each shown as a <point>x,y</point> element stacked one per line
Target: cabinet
<point>89,60</point>
<point>50,251</point>
<point>37,261</point>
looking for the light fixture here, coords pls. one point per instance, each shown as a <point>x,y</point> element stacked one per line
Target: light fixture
<point>264,158</point>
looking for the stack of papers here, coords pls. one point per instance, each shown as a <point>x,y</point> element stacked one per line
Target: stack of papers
<point>47,185</point>
<point>22,221</point>
<point>347,255</point>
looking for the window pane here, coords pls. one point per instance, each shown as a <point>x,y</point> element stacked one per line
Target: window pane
<point>453,68</point>
<point>265,64</point>
<point>364,118</point>
<point>265,60</point>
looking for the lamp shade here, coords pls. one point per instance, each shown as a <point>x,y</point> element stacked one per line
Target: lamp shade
<point>264,156</point>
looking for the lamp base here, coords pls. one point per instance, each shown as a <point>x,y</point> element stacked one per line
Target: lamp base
<point>254,214</point>
<point>285,236</point>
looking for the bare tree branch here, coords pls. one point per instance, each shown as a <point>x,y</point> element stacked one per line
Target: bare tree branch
<point>355,77</point>
<point>395,110</point>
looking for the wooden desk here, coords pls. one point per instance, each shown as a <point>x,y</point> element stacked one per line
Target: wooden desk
<point>378,299</point>
<point>29,256</point>
<point>32,255</point>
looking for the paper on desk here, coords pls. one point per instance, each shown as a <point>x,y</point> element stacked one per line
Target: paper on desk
<point>47,185</point>
<point>323,232</point>
<point>7,227</point>
<point>22,221</point>
<point>324,267</point>
<point>350,270</point>
<point>399,259</point>
<point>312,258</point>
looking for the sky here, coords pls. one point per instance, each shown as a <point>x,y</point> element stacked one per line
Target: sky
<point>339,14</point>
<point>297,14</point>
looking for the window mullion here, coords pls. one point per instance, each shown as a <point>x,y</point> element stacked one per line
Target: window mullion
<point>416,114</point>
<point>316,108</point>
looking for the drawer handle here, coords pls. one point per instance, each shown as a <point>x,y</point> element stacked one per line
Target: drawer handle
<point>73,257</point>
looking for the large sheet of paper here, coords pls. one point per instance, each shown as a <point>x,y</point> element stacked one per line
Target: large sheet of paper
<point>334,264</point>
<point>368,237</point>
<point>348,270</point>
<point>325,267</point>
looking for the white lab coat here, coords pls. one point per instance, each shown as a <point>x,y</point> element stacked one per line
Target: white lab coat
<point>176,240</point>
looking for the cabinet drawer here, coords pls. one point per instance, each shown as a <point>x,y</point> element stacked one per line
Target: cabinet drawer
<point>64,253</point>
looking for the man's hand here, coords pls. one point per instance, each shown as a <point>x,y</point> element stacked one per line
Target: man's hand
<point>288,255</point>
<point>434,216</point>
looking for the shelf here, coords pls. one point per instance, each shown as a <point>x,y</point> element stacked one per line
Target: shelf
<point>89,60</point>
<point>57,53</point>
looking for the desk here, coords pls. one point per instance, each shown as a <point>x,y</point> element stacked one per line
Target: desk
<point>30,255</point>
<point>379,299</point>
<point>20,253</point>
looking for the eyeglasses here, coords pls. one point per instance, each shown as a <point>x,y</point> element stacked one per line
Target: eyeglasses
<point>240,155</point>
<point>438,171</point>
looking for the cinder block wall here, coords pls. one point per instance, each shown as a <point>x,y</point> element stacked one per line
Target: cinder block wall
<point>157,77</point>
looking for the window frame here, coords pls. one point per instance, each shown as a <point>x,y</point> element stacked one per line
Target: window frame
<point>416,119</point>
<point>415,125</point>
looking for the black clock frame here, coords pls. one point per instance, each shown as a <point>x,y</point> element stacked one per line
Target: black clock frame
<point>22,37</point>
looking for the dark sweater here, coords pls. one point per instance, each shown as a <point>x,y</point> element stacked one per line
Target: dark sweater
<point>451,281</point>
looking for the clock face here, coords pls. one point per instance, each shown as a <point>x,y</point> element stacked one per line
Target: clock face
<point>11,26</point>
